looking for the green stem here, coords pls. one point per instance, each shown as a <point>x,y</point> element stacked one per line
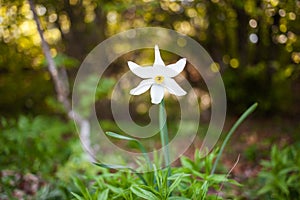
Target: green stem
<point>164,132</point>
<point>164,136</point>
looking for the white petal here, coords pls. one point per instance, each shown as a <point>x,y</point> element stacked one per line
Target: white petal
<point>177,67</point>
<point>173,87</point>
<point>142,72</point>
<point>142,87</point>
<point>157,93</point>
<point>172,70</point>
<point>157,58</point>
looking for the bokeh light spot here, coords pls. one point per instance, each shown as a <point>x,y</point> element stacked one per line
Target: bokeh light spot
<point>253,38</point>
<point>274,2</point>
<point>52,18</point>
<point>292,36</point>
<point>65,23</point>
<point>205,101</point>
<point>292,16</point>
<point>282,12</point>
<point>28,27</point>
<point>252,23</point>
<point>234,63</point>
<point>175,7</point>
<point>191,12</point>
<point>296,57</point>
<point>142,108</point>
<point>226,59</point>
<point>41,10</point>
<point>112,17</point>
<point>181,42</point>
<point>282,39</point>
<point>289,48</point>
<point>283,28</point>
<point>73,2</point>
<point>215,67</point>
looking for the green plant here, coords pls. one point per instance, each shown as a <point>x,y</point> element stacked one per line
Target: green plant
<point>281,174</point>
<point>194,179</point>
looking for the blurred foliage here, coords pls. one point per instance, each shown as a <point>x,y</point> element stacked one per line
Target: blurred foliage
<point>32,149</point>
<point>34,144</point>
<point>255,44</point>
<point>104,87</point>
<point>281,174</point>
<point>62,60</point>
<point>61,185</point>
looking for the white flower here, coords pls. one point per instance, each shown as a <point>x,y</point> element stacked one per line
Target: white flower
<point>158,77</point>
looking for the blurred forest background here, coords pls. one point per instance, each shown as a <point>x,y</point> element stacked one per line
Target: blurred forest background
<point>255,44</point>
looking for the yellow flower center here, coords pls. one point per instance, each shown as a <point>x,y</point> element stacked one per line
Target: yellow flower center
<point>159,79</point>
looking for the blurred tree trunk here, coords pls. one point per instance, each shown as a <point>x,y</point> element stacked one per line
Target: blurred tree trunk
<point>62,90</point>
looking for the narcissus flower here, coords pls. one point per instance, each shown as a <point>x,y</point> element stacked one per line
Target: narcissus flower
<point>158,77</point>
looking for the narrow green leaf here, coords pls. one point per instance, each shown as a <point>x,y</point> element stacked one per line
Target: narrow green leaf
<point>175,183</point>
<point>165,183</point>
<point>178,198</point>
<point>198,174</point>
<point>84,191</point>
<point>287,170</point>
<point>140,145</point>
<point>103,195</point>
<point>234,182</point>
<point>114,189</point>
<point>118,136</point>
<point>186,162</point>
<point>177,174</point>
<point>265,189</point>
<point>204,190</point>
<point>77,196</point>
<point>283,186</point>
<point>107,166</point>
<point>218,178</point>
<point>142,193</point>
<point>157,177</point>
<point>292,179</point>
<point>122,167</point>
<point>231,131</point>
<point>151,189</point>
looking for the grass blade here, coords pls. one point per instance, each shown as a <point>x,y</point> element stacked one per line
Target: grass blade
<point>142,193</point>
<point>175,184</point>
<point>122,167</point>
<point>103,195</point>
<point>140,145</point>
<point>234,127</point>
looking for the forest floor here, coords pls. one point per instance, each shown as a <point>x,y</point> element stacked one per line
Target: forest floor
<point>249,145</point>
<point>252,143</point>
